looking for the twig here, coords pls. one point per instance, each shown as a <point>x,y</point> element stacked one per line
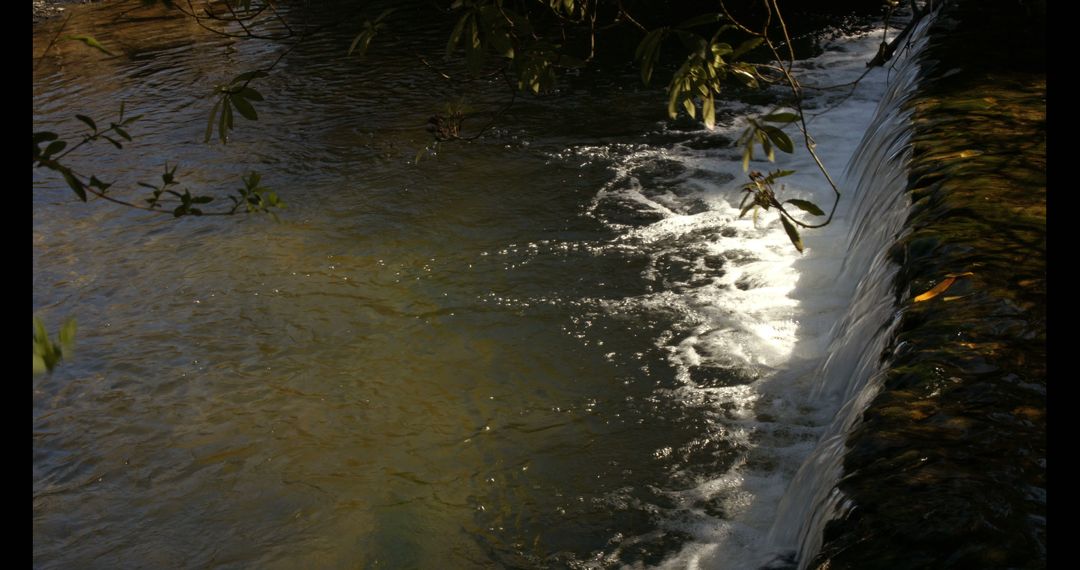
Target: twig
<point>807,139</point>
<point>499,113</point>
<point>52,42</point>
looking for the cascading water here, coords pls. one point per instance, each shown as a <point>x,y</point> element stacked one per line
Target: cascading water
<point>784,348</point>
<point>878,176</point>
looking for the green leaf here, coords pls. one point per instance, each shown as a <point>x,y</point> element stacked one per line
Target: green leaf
<point>210,121</point>
<point>792,233</point>
<point>474,55</point>
<point>249,93</point>
<point>114,142</point>
<point>780,174</point>
<point>780,139</point>
<point>225,120</point>
<point>89,122</point>
<point>745,74</point>
<point>746,47</point>
<point>244,107</point>
<point>54,147</point>
<point>202,199</point>
<point>748,153</point>
<point>122,133</point>
<point>649,42</point>
<point>227,111</point>
<point>46,354</point>
<point>806,206</point>
<point>708,112</point>
<point>781,118</point>
<point>720,31</point>
<point>75,184</point>
<point>746,207</point>
<point>673,101</point>
<point>363,37</point>
<point>720,49</point>
<point>39,329</point>
<point>767,147</point>
<point>43,136</point>
<point>99,184</point>
<point>222,128</point>
<point>502,43</point>
<point>648,58</point>
<point>39,332</point>
<point>455,36</point>
<point>67,336</point>
<point>688,104</point>
<point>90,41</point>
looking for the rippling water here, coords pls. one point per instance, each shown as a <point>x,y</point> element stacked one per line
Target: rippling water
<point>553,347</point>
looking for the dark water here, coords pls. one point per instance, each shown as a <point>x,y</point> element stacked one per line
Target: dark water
<point>470,361</point>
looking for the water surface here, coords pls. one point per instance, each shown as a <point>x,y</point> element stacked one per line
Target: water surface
<point>555,346</point>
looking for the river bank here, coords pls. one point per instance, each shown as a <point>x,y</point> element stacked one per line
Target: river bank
<point>45,9</point>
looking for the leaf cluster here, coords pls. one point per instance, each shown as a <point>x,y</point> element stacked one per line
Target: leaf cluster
<point>237,95</point>
<point>47,352</point>
<point>760,194</point>
<point>767,136</point>
<point>50,155</point>
<point>707,64</point>
<point>166,196</point>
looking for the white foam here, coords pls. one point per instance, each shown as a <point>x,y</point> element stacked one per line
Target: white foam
<point>746,299</point>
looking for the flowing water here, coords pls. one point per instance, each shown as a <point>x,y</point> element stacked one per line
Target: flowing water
<point>555,346</point>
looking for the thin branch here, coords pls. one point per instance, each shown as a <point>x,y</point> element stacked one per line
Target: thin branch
<point>52,164</point>
<point>738,24</point>
<point>52,42</point>
<point>796,91</point>
<point>500,112</point>
<point>886,51</point>
<point>623,12</point>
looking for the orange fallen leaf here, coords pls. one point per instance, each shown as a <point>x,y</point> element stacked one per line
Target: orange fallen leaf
<point>936,290</point>
<point>941,287</point>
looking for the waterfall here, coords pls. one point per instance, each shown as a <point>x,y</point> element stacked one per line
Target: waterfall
<point>875,179</point>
